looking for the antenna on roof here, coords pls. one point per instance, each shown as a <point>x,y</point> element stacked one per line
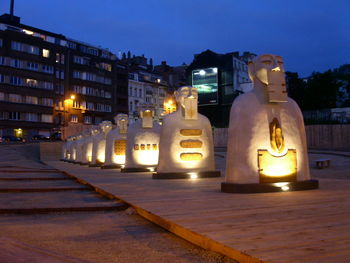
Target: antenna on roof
<point>11,8</point>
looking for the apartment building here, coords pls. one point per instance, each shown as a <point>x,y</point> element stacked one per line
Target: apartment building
<point>146,86</point>
<point>48,80</point>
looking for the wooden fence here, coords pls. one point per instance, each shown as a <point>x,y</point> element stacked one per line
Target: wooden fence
<point>332,137</point>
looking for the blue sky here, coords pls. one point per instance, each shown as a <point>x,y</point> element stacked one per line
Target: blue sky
<point>311,35</point>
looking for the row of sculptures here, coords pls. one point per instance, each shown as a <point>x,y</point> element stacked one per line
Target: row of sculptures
<point>266,149</point>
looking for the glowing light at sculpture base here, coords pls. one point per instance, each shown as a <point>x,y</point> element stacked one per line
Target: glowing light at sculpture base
<point>119,159</point>
<point>274,169</point>
<point>193,175</point>
<point>149,158</point>
<point>101,157</point>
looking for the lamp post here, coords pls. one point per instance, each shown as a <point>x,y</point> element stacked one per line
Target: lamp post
<point>66,104</point>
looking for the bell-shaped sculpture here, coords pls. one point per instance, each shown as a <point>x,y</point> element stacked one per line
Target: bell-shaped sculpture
<point>266,149</point>
<point>99,144</point>
<point>116,143</point>
<point>72,150</point>
<point>65,156</point>
<point>80,146</point>
<point>142,146</point>
<point>86,157</point>
<point>186,141</point>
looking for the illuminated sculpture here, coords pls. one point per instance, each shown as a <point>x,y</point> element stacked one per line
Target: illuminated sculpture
<point>186,141</point>
<point>77,148</point>
<point>266,150</point>
<point>99,144</point>
<point>65,150</point>
<point>142,147</point>
<point>72,151</point>
<point>116,143</point>
<point>86,157</point>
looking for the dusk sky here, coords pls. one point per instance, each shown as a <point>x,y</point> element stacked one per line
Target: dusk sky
<point>311,35</point>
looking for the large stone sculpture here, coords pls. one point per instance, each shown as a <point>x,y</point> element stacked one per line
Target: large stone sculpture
<point>99,144</point>
<point>87,145</point>
<point>266,150</point>
<point>78,146</point>
<point>116,143</point>
<point>142,147</point>
<point>71,148</point>
<point>186,141</point>
<point>65,150</point>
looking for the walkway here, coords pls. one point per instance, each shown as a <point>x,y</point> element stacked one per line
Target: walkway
<point>306,226</point>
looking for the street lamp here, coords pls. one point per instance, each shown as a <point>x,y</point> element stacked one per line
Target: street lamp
<point>67,103</point>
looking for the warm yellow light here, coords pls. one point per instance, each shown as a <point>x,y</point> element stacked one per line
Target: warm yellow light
<point>283,185</point>
<point>101,157</point>
<point>119,159</point>
<point>46,53</point>
<point>72,97</point>
<point>28,32</point>
<point>151,169</point>
<point>149,157</point>
<point>276,69</point>
<point>193,175</point>
<point>275,168</point>
<point>122,166</point>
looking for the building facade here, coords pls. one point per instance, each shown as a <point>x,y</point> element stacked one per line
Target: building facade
<point>48,80</point>
<point>146,86</point>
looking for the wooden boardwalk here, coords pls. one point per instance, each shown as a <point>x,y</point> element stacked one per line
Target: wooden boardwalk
<point>305,226</point>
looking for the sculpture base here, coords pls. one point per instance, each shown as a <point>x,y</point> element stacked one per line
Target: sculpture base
<point>269,187</point>
<point>95,165</point>
<point>111,166</point>
<point>188,175</point>
<point>136,170</point>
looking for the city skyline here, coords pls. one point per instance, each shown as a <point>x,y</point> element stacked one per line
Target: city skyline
<point>311,32</point>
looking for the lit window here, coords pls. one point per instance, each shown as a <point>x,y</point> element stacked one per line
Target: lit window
<point>87,119</point>
<point>15,98</point>
<point>32,83</point>
<point>74,118</point>
<point>28,32</point>
<point>46,53</point>
<point>31,100</point>
<point>46,118</point>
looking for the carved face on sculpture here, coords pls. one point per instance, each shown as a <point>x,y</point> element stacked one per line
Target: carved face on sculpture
<point>187,98</point>
<point>122,122</point>
<point>276,136</point>
<point>269,70</point>
<point>106,126</point>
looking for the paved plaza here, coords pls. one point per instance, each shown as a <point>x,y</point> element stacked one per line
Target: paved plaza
<point>101,232</point>
<point>305,226</point>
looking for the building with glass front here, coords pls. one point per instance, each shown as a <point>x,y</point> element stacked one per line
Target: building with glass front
<point>219,78</point>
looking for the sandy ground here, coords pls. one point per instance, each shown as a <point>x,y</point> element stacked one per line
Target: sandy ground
<point>93,236</point>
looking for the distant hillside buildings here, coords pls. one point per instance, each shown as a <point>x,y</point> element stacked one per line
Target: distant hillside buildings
<point>40,71</point>
<point>48,80</point>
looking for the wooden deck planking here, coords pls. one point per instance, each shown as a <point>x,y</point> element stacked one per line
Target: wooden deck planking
<point>274,227</point>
